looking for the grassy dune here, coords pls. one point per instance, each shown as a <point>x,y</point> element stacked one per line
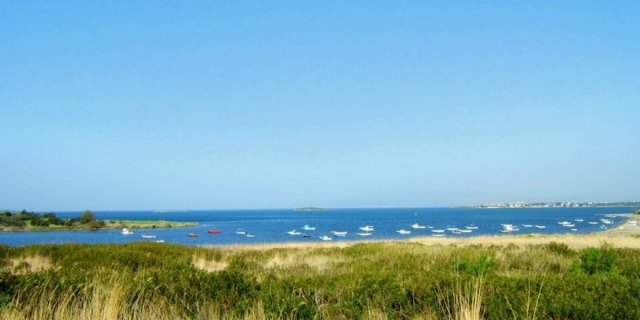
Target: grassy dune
<point>529,277</point>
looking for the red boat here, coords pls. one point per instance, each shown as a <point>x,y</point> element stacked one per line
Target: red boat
<point>214,231</point>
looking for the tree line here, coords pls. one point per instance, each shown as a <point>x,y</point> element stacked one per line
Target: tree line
<point>24,219</point>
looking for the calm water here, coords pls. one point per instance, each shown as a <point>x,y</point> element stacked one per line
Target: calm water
<point>272,225</point>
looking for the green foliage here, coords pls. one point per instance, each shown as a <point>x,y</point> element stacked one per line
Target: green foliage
<point>87,216</point>
<point>25,219</point>
<point>398,280</point>
<point>598,260</point>
<point>480,266</point>
<point>561,249</point>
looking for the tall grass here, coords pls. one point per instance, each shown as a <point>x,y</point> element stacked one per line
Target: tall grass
<point>382,280</point>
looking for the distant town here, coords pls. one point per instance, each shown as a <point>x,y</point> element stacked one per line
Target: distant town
<point>556,204</point>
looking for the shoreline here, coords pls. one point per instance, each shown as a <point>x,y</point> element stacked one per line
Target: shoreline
<point>109,225</point>
<point>624,235</point>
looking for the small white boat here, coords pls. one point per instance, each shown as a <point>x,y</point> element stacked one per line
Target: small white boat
<point>366,228</point>
<point>325,238</point>
<point>451,228</point>
<point>578,220</point>
<point>457,231</point>
<point>465,230</point>
<point>527,225</point>
<point>603,227</point>
<point>574,229</point>
<point>364,234</point>
<point>160,241</point>
<point>506,228</point>
<point>437,230</point>
<point>294,232</point>
<point>471,227</point>
<point>418,226</point>
<point>308,227</point>
<point>149,236</point>
<point>539,226</point>
<point>606,221</point>
<point>593,222</point>
<point>403,231</point>
<point>126,231</point>
<point>248,235</point>
<point>439,235</point>
<point>569,225</point>
<point>339,233</point>
<point>241,232</point>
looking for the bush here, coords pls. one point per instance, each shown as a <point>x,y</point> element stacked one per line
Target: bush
<point>594,260</point>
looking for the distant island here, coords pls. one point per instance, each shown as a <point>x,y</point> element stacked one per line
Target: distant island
<point>31,221</point>
<point>556,204</point>
<point>309,209</point>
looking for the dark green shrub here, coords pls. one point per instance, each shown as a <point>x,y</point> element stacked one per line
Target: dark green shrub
<point>561,249</point>
<point>485,263</point>
<point>598,260</point>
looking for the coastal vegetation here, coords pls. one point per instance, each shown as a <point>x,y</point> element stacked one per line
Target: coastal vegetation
<point>31,221</point>
<point>377,280</point>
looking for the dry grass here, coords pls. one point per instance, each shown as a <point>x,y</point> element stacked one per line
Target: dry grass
<point>573,241</point>
<point>103,298</point>
<point>31,263</point>
<point>304,257</point>
<point>209,265</point>
<point>468,300</point>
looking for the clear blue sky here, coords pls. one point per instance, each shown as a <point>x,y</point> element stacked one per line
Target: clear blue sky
<point>280,104</point>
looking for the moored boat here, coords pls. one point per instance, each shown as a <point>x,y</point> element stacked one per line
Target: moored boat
<point>214,231</point>
<point>126,231</point>
<point>403,231</point>
<point>325,238</point>
<point>366,228</point>
<point>294,232</point>
<point>149,236</point>
<point>418,226</point>
<point>339,233</point>
<point>192,235</point>
<point>506,228</point>
<point>308,227</point>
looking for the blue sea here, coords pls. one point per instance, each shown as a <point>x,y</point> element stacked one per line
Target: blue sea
<point>272,226</point>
